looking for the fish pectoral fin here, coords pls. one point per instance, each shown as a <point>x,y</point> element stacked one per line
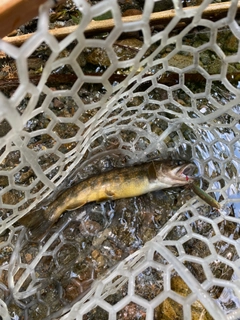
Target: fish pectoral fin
<point>109,194</point>
<point>152,174</point>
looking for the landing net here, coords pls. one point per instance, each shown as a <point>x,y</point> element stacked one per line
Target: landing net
<point>154,86</point>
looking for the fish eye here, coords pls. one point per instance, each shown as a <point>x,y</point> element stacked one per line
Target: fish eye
<point>178,162</point>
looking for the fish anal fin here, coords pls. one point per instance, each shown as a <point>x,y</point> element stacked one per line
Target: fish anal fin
<point>76,206</point>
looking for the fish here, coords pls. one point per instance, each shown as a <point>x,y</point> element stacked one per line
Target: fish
<point>115,184</point>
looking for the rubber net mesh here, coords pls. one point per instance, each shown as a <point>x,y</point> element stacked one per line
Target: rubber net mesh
<point>101,101</point>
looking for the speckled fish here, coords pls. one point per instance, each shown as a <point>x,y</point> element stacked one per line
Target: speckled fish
<point>118,183</point>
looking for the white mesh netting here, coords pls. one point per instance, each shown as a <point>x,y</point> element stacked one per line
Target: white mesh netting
<point>93,101</point>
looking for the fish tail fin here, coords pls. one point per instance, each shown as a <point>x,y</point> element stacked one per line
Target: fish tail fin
<point>38,222</point>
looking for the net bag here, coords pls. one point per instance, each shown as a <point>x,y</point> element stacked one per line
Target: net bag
<point>117,88</point>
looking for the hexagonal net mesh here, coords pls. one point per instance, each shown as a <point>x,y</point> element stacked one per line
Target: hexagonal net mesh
<point>73,107</point>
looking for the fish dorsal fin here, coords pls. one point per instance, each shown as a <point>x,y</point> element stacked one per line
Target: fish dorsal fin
<point>152,174</point>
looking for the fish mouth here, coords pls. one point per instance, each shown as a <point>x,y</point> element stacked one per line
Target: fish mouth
<point>186,172</point>
<point>183,174</point>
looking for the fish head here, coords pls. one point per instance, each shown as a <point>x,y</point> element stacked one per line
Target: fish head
<point>176,174</point>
